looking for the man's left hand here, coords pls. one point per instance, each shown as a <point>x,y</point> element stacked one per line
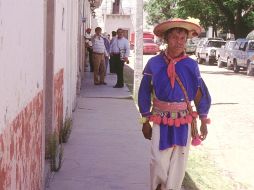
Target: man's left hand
<point>203,131</point>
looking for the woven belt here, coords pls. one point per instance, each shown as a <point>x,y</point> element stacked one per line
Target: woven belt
<point>168,106</point>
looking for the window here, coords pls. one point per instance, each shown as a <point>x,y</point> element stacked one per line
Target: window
<point>243,46</point>
<point>217,44</point>
<point>237,45</point>
<point>251,46</point>
<point>231,45</point>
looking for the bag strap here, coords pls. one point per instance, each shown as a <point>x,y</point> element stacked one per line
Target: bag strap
<point>189,107</point>
<point>194,130</point>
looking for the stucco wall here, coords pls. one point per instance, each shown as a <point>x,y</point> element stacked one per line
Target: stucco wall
<point>21,93</point>
<point>21,56</point>
<point>66,58</point>
<point>113,22</point>
<point>22,61</point>
<point>60,61</point>
<point>71,57</point>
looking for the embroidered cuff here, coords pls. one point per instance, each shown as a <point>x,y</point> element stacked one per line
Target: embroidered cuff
<point>146,114</point>
<point>143,120</point>
<point>201,116</point>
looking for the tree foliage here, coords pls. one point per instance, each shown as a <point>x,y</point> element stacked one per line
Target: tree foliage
<point>235,16</point>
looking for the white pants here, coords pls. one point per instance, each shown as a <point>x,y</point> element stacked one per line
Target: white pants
<point>168,167</point>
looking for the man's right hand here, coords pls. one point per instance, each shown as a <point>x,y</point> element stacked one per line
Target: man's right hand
<point>147,130</point>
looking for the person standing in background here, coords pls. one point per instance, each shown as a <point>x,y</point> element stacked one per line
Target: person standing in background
<point>111,63</point>
<point>99,51</point>
<point>107,45</point>
<point>119,52</point>
<point>88,44</point>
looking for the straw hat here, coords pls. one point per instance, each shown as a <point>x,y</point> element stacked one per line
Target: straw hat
<point>160,29</point>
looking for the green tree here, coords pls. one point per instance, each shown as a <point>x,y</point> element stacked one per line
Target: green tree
<point>159,10</point>
<point>235,16</point>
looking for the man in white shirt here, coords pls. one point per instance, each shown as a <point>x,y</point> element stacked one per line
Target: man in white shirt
<point>119,51</point>
<point>99,51</point>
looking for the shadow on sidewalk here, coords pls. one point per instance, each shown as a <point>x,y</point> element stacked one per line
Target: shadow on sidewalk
<point>188,183</point>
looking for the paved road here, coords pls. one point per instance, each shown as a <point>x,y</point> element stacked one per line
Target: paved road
<point>230,141</point>
<point>232,130</point>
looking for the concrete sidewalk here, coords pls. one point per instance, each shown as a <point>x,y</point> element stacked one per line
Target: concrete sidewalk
<point>106,149</point>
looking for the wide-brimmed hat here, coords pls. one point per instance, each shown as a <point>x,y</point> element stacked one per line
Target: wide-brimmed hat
<point>160,29</point>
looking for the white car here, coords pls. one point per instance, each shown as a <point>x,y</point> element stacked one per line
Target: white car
<point>207,50</point>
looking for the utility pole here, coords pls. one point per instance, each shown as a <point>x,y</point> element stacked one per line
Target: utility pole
<point>138,58</point>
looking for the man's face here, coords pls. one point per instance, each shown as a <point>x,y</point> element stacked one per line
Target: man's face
<point>98,32</point>
<point>120,33</point>
<point>176,42</point>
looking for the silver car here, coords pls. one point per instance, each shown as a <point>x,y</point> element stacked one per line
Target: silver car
<point>190,46</point>
<point>224,54</point>
<point>207,52</point>
<point>243,56</point>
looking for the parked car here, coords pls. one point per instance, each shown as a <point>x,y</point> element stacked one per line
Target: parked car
<point>191,46</point>
<point>243,56</point>
<point>224,54</point>
<point>199,46</point>
<point>207,50</point>
<point>149,46</point>
<point>163,46</point>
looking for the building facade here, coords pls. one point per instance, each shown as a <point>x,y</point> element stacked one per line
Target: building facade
<point>41,66</point>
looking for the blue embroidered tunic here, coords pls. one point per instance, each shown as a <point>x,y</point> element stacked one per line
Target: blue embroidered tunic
<point>155,80</point>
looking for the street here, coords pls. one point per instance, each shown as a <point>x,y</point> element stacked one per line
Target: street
<point>231,133</point>
<point>230,142</point>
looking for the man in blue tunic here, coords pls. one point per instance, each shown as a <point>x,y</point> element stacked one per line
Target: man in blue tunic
<point>171,81</point>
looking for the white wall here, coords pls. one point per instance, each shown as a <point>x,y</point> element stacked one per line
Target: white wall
<point>60,34</point>
<point>70,80</point>
<point>113,22</point>
<point>21,55</point>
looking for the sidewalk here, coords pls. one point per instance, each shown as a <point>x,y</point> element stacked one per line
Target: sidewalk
<point>106,149</point>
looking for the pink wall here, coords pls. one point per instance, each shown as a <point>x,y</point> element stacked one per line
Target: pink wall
<point>58,99</point>
<point>21,145</point>
<point>21,142</point>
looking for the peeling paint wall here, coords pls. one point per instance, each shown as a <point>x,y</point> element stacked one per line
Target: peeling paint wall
<point>66,51</point>
<point>20,146</point>
<point>21,94</point>
<point>59,61</point>
<point>58,100</point>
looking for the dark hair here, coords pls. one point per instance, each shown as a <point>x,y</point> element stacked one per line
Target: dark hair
<point>113,33</point>
<point>119,29</point>
<point>97,29</point>
<point>177,29</point>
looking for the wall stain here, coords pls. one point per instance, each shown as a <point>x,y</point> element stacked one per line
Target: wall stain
<point>21,142</point>
<point>21,147</point>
